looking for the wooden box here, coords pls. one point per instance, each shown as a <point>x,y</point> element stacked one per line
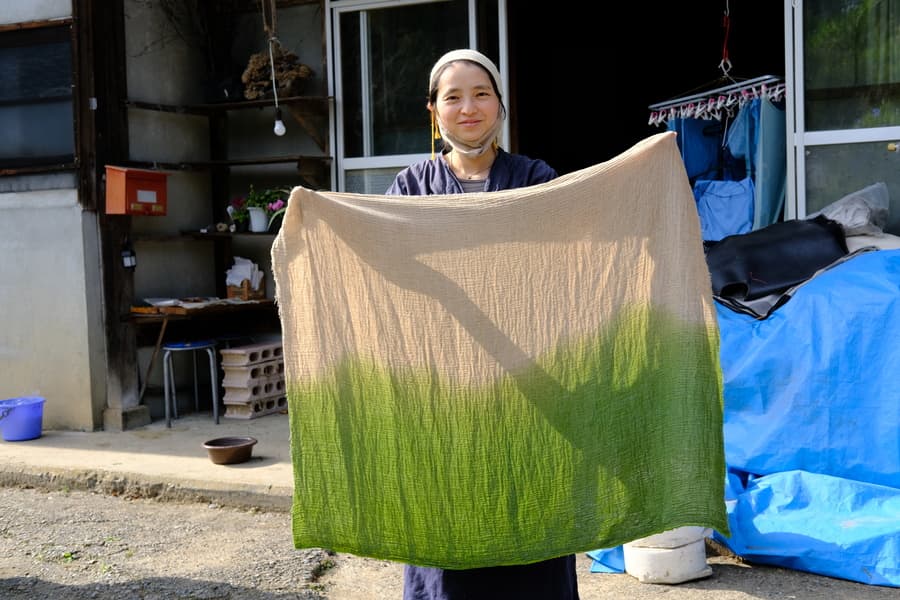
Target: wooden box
<point>135,192</point>
<point>244,292</point>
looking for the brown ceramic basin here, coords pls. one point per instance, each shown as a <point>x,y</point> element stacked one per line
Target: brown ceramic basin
<point>230,450</point>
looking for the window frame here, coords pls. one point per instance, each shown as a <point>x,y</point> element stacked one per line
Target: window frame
<point>47,163</point>
<point>800,140</point>
<point>335,9</point>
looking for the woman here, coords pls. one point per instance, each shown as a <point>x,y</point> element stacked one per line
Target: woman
<point>466,107</point>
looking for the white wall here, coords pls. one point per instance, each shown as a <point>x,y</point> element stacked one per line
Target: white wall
<point>16,11</point>
<point>49,307</point>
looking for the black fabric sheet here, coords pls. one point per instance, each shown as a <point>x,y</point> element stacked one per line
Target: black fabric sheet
<point>773,259</point>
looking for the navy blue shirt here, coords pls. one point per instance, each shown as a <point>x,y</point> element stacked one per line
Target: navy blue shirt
<point>434,176</point>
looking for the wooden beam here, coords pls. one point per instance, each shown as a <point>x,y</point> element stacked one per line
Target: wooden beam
<point>35,24</point>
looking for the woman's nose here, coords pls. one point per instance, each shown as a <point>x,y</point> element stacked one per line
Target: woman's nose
<point>468,105</point>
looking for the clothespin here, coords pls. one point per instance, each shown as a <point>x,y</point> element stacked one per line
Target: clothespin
<point>700,111</point>
<point>778,94</point>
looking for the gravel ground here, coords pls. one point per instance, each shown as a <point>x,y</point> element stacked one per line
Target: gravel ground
<point>81,545</point>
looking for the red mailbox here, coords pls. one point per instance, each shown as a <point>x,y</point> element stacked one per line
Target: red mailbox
<point>135,192</point>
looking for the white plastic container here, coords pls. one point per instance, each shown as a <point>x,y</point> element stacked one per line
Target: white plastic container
<point>673,556</point>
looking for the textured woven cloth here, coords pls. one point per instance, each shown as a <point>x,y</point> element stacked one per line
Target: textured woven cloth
<point>501,378</point>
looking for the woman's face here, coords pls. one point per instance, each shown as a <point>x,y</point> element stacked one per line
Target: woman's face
<point>466,103</point>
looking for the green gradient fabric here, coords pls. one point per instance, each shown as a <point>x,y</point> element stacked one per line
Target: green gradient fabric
<point>502,378</point>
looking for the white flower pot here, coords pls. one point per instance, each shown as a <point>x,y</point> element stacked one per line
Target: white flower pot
<point>259,222</point>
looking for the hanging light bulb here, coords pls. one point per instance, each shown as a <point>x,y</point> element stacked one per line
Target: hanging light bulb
<point>269,28</point>
<point>279,124</point>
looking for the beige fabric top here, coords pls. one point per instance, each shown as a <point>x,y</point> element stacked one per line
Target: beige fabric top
<point>404,265</point>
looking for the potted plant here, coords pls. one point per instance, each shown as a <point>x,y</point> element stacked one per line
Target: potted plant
<point>267,204</point>
<point>238,214</point>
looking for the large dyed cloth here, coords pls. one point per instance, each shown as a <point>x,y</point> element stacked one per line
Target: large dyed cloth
<point>502,378</point>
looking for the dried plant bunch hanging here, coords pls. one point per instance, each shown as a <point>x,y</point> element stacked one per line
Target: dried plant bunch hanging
<point>290,73</point>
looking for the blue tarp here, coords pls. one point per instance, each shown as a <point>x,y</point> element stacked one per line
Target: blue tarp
<point>816,386</point>
<point>817,523</point>
<point>812,425</point>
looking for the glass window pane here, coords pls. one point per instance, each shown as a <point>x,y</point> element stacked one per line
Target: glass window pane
<point>836,170</point>
<point>36,111</point>
<point>851,64</point>
<point>401,44</point>
<point>35,131</point>
<point>351,97</point>
<point>369,181</point>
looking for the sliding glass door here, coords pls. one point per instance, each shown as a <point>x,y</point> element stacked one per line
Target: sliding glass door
<point>382,54</point>
<point>846,96</point>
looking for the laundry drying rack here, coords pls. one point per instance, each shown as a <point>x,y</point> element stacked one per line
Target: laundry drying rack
<point>718,102</point>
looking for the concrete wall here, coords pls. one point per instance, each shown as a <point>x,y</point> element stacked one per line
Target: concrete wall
<point>165,68</point>
<point>51,334</point>
<point>49,342</point>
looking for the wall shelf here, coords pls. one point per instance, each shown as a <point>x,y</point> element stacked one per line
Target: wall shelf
<point>199,236</point>
<point>310,112</point>
<point>317,103</point>
<point>228,144</point>
<point>208,164</point>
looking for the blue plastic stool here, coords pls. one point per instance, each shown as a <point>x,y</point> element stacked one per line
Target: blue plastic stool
<point>169,376</point>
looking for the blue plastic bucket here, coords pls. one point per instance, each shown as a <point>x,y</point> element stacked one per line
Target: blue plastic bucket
<point>21,418</point>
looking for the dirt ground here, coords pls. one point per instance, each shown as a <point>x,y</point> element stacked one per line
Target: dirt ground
<point>68,544</point>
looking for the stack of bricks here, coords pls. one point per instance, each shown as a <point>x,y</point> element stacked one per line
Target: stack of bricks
<point>253,380</point>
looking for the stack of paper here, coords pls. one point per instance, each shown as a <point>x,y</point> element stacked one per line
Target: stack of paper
<point>243,269</point>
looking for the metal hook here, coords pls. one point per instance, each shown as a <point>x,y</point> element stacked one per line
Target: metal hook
<point>725,65</point>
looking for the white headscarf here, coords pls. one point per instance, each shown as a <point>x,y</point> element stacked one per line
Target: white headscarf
<point>488,138</point>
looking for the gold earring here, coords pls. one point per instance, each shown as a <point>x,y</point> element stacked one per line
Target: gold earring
<point>435,134</point>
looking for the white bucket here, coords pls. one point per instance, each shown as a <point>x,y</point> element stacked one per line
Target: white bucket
<point>673,556</point>
<point>673,538</point>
